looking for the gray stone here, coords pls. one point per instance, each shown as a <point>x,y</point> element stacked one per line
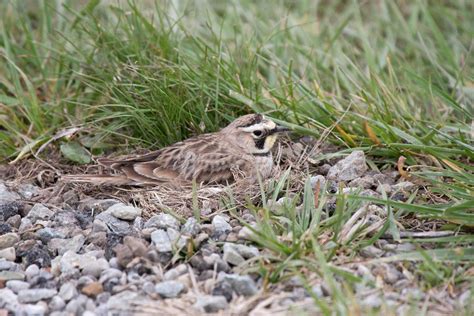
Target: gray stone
<point>39,212</point>
<point>112,224</point>
<point>169,289</point>
<point>384,187</point>
<point>31,271</point>
<point>246,233</point>
<point>220,225</point>
<point>73,244</point>
<point>161,240</point>
<point>110,273</point>
<point>14,221</point>
<point>95,205</point>
<point>48,233</point>
<point>314,180</point>
<point>245,251</point>
<point>404,186</point>
<point>7,298</point>
<point>56,303</point>
<point>6,265</point>
<point>10,275</point>
<point>8,254</point>
<point>17,285</point>
<point>162,221</point>
<point>25,224</point>
<point>124,212</point>
<point>28,190</point>
<point>172,274</point>
<point>68,291</point>
<point>392,275</point>
<point>8,240</point>
<point>241,284</point>
<point>373,301</point>
<point>32,310</point>
<point>211,304</point>
<point>231,255</point>
<point>371,252</point>
<point>35,295</point>
<point>365,182</point>
<point>349,168</point>
<point>6,195</point>
<point>191,227</point>
<point>95,267</point>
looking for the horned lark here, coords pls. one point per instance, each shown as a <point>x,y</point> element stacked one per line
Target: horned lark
<point>240,150</point>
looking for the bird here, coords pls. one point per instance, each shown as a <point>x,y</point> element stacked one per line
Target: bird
<point>241,150</point>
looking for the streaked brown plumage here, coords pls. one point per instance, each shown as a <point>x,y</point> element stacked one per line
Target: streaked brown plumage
<point>240,150</point>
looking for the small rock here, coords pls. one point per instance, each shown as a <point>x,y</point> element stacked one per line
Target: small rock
<point>39,212</point>
<point>35,295</point>
<point>406,246</point>
<point>220,225</point>
<point>169,289</point>
<point>30,309</point>
<point>111,224</point>
<point>371,252</point>
<point>92,289</point>
<point>95,205</point>
<point>162,221</point>
<point>8,209</point>
<point>28,190</point>
<point>246,233</point>
<point>349,168</point>
<point>32,271</point>
<point>136,245</point>
<point>8,240</point>
<point>68,291</point>
<point>161,240</point>
<point>14,221</point>
<point>404,186</point>
<point>56,303</point>
<point>110,273</point>
<point>172,274</point>
<point>124,255</point>
<point>373,301</point>
<point>35,255</point>
<point>124,212</point>
<point>10,275</point>
<point>211,304</point>
<point>5,265</point>
<point>384,187</point>
<point>5,228</point>
<point>365,182</point>
<point>17,285</point>
<point>95,267</point>
<point>223,288</point>
<point>63,245</point>
<point>392,275</point>
<point>242,284</point>
<point>8,254</point>
<point>231,255</point>
<point>314,180</point>
<point>6,195</point>
<point>191,227</point>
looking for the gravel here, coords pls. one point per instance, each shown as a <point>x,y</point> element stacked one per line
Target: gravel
<point>349,168</point>
<point>169,289</point>
<point>93,256</point>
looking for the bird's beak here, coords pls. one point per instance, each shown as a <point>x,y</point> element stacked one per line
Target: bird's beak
<point>280,129</point>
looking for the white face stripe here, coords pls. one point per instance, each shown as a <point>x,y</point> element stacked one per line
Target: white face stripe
<point>267,124</point>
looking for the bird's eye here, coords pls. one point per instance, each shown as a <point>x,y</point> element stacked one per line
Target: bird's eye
<point>257,133</point>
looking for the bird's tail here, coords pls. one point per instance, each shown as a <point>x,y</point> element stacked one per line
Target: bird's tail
<point>97,179</point>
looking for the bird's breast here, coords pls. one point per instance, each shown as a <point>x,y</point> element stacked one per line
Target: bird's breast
<point>264,165</point>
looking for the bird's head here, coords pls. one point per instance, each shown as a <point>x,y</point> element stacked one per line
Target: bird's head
<point>255,133</point>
